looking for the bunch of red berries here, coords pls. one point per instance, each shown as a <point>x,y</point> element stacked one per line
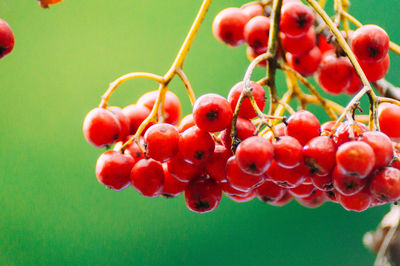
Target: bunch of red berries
<point>202,157</point>
<point>303,50</point>
<point>6,39</point>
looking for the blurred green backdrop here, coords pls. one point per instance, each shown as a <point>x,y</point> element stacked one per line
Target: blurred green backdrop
<point>53,211</point>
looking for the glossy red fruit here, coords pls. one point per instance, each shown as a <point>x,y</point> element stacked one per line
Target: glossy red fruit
<point>346,184</point>
<point>326,128</point>
<point>244,130</point>
<point>162,141</point>
<point>241,199</point>
<point>306,64</point>
<point>123,122</point>
<point>300,45</point>
<point>253,10</point>
<point>246,110</point>
<point>113,169</point>
<point>382,146</point>
<point>335,73</point>
<point>323,44</point>
<point>345,132</point>
<point>288,152</point>
<point>280,131</point>
<point>287,178</point>
<point>147,177</point>
<point>202,195</point>
<point>229,190</point>
<point>228,26</point>
<point>172,186</point>
<point>216,164</point>
<point>316,199</point>
<point>319,155</point>
<point>6,39</point>
<point>254,155</point>
<point>302,190</point>
<point>101,127</point>
<point>252,54</point>
<point>239,179</point>
<point>269,192</point>
<point>196,145</point>
<point>389,120</point>
<point>355,158</point>
<point>376,70</point>
<point>186,122</point>
<point>322,182</point>
<point>370,43</point>
<point>355,84</point>
<point>183,170</point>
<point>332,195</point>
<point>296,19</point>
<point>172,105</point>
<point>303,125</point>
<point>212,112</point>
<point>132,149</point>
<point>284,200</point>
<point>256,33</point>
<point>385,185</point>
<point>136,114</point>
<point>358,202</point>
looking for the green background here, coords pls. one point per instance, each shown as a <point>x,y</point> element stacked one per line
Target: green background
<point>53,210</point>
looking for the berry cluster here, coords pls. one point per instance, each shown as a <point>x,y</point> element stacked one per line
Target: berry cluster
<point>304,50</point>
<point>6,39</point>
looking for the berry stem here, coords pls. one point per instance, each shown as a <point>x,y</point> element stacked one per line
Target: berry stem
<point>187,84</point>
<point>272,49</point>
<point>113,85</point>
<point>387,89</point>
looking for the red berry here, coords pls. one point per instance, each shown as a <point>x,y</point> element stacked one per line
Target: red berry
<point>326,128</point>
<point>335,73</point>
<point>332,195</point>
<point>253,10</point>
<point>287,178</point>
<point>241,199</point>
<point>228,26</point>
<point>123,121</point>
<point>284,200</point>
<point>113,169</point>
<point>212,112</point>
<point>385,185</point>
<point>358,202</point>
<point>6,39</point>
<point>288,152</point>
<point>322,182</point>
<point>147,177</point>
<point>370,43</point>
<point>346,184</point>
<point>382,146</point>
<point>389,120</point>
<point>254,155</point>
<point>246,109</point>
<point>244,130</point>
<point>299,45</point>
<point>202,195</point>
<point>216,164</point>
<point>183,170</point>
<point>136,114</point>
<point>172,105</point>
<point>161,141</point>
<point>101,127</point>
<point>229,190</point>
<point>319,155</point>
<point>296,19</point>
<point>132,149</point>
<point>316,199</point>
<point>186,123</point>
<point>172,186</point>
<point>376,70</point>
<point>256,33</point>
<point>323,45</point>
<point>269,192</point>
<point>239,179</point>
<point>196,145</point>
<point>355,158</point>
<point>345,132</point>
<point>306,64</point>
<point>302,190</point>
<point>303,126</point>
<point>355,84</point>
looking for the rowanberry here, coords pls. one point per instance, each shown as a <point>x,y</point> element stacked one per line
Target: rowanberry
<point>346,132</point>
<point>303,125</point>
<point>385,185</point>
<point>316,199</point>
<point>302,190</point>
<point>202,195</point>
<point>6,39</point>
<point>186,122</point>
<point>256,33</point>
<point>196,145</point>
<point>322,182</point>
<point>172,187</point>
<point>244,129</point>
<point>212,112</point>
<point>269,192</point>
<point>241,199</point>
<point>375,71</point>
<point>123,121</point>
<point>229,190</point>
<point>346,184</point>
<point>113,169</point>
<point>161,141</point>
<point>287,178</point>
<point>147,177</point>
<point>288,152</point>
<point>319,155</point>
<point>228,26</point>
<point>239,179</point>
<point>296,19</point>
<point>323,44</point>
<point>357,202</point>
<point>284,200</point>
<point>136,114</point>
<point>246,109</point>
<point>216,164</point>
<point>306,64</point>
<point>370,43</point>
<point>183,170</point>
<point>382,146</point>
<point>300,45</point>
<point>389,120</point>
<point>253,10</point>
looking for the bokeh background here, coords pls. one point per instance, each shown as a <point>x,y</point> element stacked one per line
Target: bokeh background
<point>53,210</point>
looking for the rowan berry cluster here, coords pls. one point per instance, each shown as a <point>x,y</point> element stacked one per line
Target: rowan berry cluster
<point>6,39</point>
<point>302,48</point>
<point>229,145</point>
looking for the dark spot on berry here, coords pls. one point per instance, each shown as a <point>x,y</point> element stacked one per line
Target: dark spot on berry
<point>2,50</point>
<point>202,205</point>
<point>350,185</point>
<point>252,167</point>
<point>116,136</point>
<point>257,44</point>
<point>301,20</point>
<point>383,197</point>
<point>266,199</point>
<point>167,196</point>
<point>212,115</point>
<point>138,154</point>
<point>228,37</point>
<point>199,155</point>
<point>297,61</point>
